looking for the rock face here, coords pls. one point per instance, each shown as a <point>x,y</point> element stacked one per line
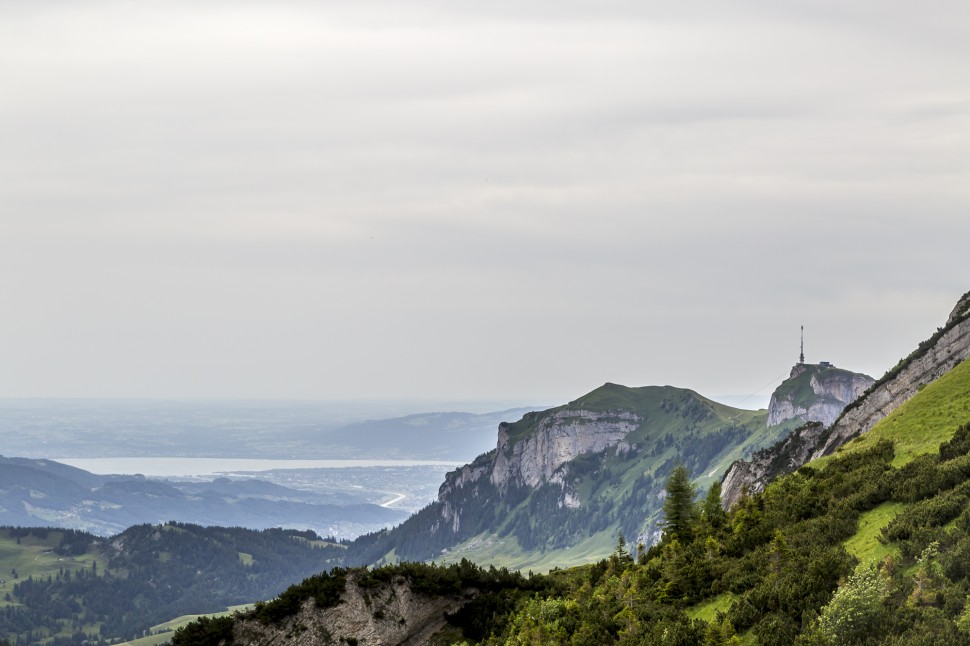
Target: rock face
<point>389,615</point>
<point>751,476</point>
<point>931,360</point>
<point>815,393</point>
<point>558,438</point>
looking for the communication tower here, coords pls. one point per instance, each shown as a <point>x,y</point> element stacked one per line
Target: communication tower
<point>801,357</point>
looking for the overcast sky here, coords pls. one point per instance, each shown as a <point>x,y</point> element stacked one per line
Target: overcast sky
<point>474,200</point>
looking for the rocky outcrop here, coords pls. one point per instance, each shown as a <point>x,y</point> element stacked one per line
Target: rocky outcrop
<point>815,393</point>
<point>751,476</point>
<point>558,437</point>
<point>932,359</point>
<point>389,615</point>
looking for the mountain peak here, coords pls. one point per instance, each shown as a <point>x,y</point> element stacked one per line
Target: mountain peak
<point>815,392</point>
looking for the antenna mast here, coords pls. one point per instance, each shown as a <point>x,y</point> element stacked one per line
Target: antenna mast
<point>801,357</point>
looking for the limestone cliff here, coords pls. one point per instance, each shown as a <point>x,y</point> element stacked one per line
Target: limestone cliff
<point>931,360</point>
<point>558,437</point>
<point>388,615</point>
<point>815,393</point>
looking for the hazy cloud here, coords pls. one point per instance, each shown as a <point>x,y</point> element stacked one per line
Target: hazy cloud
<point>300,199</point>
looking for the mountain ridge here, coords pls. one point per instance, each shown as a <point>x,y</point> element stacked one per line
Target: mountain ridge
<point>932,358</point>
<point>578,473</point>
<point>36,492</point>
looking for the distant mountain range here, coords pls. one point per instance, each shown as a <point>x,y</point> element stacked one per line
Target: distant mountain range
<point>274,430</point>
<point>425,436</point>
<point>45,492</point>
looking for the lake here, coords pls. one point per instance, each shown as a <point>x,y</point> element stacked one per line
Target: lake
<point>195,467</point>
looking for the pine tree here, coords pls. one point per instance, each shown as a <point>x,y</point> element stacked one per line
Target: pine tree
<point>713,514</point>
<point>679,512</point>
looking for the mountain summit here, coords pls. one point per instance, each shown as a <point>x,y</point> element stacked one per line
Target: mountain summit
<point>931,359</point>
<point>815,392</point>
<point>562,483</point>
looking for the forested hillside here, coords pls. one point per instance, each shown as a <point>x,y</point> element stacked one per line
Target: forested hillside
<point>66,587</point>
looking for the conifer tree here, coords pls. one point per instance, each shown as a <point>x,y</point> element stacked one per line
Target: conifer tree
<point>679,512</point>
<point>713,514</point>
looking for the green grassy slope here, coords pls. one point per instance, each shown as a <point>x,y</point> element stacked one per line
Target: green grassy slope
<point>34,556</point>
<point>162,633</point>
<point>916,428</point>
<point>505,551</point>
<point>921,424</point>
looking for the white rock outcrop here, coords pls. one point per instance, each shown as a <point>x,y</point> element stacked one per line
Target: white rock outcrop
<point>391,614</point>
<point>559,438</point>
<point>832,389</point>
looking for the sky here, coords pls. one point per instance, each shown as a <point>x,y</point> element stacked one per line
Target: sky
<point>511,201</point>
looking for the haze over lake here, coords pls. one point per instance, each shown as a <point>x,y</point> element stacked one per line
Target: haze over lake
<point>200,467</point>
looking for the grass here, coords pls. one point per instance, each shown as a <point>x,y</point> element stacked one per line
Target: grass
<point>864,544</point>
<point>162,633</point>
<point>648,401</point>
<point>924,422</point>
<point>504,551</point>
<point>34,557</point>
<point>709,609</point>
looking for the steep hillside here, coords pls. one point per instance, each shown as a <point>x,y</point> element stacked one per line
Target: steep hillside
<point>921,424</point>
<point>798,563</point>
<point>566,480</point>
<point>933,358</point>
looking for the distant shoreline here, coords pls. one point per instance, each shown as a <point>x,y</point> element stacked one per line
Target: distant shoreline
<point>174,467</point>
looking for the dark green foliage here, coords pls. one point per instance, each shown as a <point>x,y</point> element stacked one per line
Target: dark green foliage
<point>926,476</point>
<point>151,573</point>
<point>493,593</point>
<point>324,588</point>
<point>933,512</point>
<point>959,445</point>
<point>205,631</point>
<point>680,516</point>
<point>711,511</point>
